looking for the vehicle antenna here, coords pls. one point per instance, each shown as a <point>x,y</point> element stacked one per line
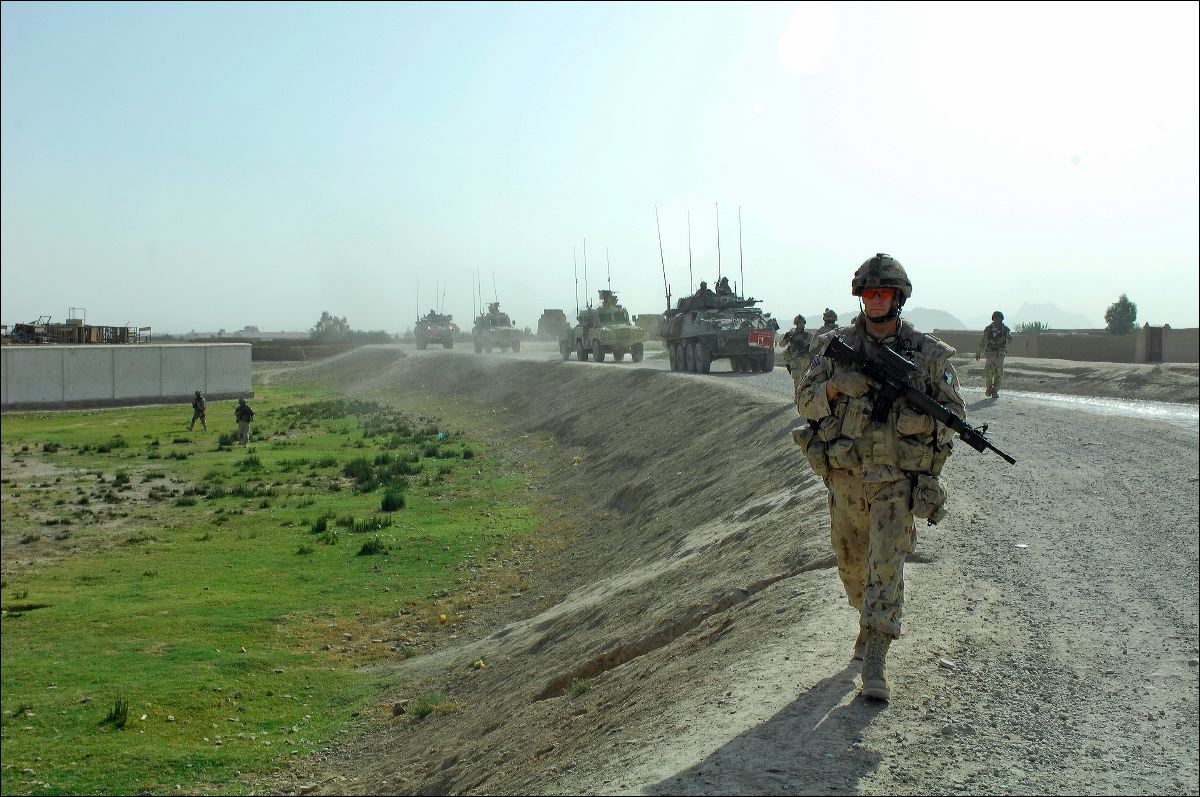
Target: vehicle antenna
<point>741,264</point>
<point>691,281</point>
<point>417,297</point>
<point>609,264</point>
<point>575,260</point>
<point>666,288</point>
<point>442,308</point>
<point>586,295</point>
<point>718,210</point>
<point>495,296</point>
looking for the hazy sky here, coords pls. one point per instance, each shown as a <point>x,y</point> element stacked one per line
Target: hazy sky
<point>215,165</point>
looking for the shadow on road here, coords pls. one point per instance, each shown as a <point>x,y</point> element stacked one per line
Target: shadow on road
<point>807,748</point>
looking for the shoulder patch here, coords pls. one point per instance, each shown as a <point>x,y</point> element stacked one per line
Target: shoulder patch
<point>936,347</point>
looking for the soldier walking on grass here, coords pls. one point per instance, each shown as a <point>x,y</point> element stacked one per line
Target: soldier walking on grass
<point>994,344</point>
<point>199,407</point>
<point>879,473</point>
<point>244,415</point>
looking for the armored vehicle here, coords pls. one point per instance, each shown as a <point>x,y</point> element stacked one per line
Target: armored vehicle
<point>602,330</point>
<point>435,328</point>
<point>709,326</point>
<point>552,324</point>
<point>495,329</point>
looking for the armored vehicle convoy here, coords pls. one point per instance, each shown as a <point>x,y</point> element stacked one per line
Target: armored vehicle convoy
<point>710,326</point>
<point>603,330</point>
<point>495,329</point>
<point>552,324</point>
<point>435,328</point>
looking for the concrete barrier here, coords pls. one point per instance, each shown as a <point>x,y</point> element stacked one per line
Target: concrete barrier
<point>60,377</point>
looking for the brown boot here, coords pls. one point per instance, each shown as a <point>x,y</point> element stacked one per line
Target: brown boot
<point>860,644</point>
<point>874,671</point>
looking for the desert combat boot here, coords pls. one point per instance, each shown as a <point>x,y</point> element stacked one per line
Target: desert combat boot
<point>860,644</point>
<point>874,671</point>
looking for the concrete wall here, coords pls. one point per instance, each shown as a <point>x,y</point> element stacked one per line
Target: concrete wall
<point>56,377</point>
<point>1179,345</point>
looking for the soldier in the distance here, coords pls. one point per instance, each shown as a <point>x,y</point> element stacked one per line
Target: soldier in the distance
<point>830,322</point>
<point>994,344</point>
<point>796,345</point>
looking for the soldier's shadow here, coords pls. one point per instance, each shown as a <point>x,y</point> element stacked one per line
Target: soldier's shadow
<point>983,402</point>
<point>807,748</point>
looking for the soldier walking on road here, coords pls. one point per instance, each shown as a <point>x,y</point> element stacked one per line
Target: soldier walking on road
<point>797,343</point>
<point>880,474</point>
<point>199,407</point>
<point>994,343</point>
<point>830,322</point>
<point>244,415</point>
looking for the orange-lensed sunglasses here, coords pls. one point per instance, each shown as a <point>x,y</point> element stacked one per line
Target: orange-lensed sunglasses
<point>878,293</point>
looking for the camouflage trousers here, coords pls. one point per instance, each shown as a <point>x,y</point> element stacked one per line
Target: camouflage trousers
<point>993,371</point>
<point>243,432</point>
<point>871,530</point>
<point>198,416</point>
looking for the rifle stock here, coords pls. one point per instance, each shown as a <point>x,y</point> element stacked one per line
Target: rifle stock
<point>893,374</point>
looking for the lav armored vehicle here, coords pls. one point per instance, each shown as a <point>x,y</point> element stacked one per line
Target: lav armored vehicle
<point>435,328</point>
<point>495,330</point>
<point>552,324</point>
<point>708,326</point>
<point>603,330</point>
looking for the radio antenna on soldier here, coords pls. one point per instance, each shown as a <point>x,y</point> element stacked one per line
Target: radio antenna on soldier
<point>658,226</point>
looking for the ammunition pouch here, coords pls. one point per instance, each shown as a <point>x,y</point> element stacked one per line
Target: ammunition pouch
<point>813,448</point>
<point>842,455</point>
<point>912,454</point>
<point>928,498</point>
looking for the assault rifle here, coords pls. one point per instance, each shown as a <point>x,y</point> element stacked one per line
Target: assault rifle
<point>894,374</point>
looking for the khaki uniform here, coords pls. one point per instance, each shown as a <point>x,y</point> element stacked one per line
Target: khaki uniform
<point>878,474</point>
<point>994,345</point>
<point>244,416</point>
<point>796,352</point>
<point>826,328</point>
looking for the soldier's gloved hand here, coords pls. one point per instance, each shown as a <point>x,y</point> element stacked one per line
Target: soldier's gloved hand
<point>850,383</point>
<point>912,423</point>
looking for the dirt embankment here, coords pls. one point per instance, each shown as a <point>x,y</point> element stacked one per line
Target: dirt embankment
<point>693,637</point>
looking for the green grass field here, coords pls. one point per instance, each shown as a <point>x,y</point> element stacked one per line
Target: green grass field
<point>211,588</point>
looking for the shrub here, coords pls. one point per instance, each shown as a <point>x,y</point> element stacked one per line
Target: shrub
<point>392,500</point>
<point>227,438</point>
<point>50,448</point>
<point>118,715</point>
<point>1032,328</point>
<point>430,451</point>
<point>329,538</point>
<point>371,547</point>
<point>320,525</point>
<point>304,550</point>
<point>360,470</point>
<point>250,462</point>
<point>468,454</point>
<point>579,686</point>
<point>425,704</point>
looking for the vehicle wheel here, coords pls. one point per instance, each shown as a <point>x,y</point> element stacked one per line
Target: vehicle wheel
<point>747,365</point>
<point>564,350</point>
<point>769,362</point>
<point>421,346</point>
<point>516,346</point>
<point>619,356</point>
<point>580,352</point>
<point>487,347</point>
<point>673,356</point>
<point>636,353</point>
<point>597,351</point>
<point>703,358</point>
<point>690,356</point>
<point>735,365</point>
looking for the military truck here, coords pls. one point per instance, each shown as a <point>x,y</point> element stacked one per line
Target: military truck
<point>552,324</point>
<point>435,328</point>
<point>603,330</point>
<point>495,330</point>
<point>708,326</point>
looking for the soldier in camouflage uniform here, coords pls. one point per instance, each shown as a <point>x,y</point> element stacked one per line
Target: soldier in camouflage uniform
<point>797,343</point>
<point>879,475</point>
<point>995,344</point>
<point>830,322</point>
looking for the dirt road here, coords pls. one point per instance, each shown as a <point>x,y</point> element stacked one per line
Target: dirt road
<point>692,636</point>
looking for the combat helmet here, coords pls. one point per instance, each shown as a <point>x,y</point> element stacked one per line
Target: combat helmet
<point>829,316</point>
<point>799,320</point>
<point>882,271</point>
<point>997,316</point>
